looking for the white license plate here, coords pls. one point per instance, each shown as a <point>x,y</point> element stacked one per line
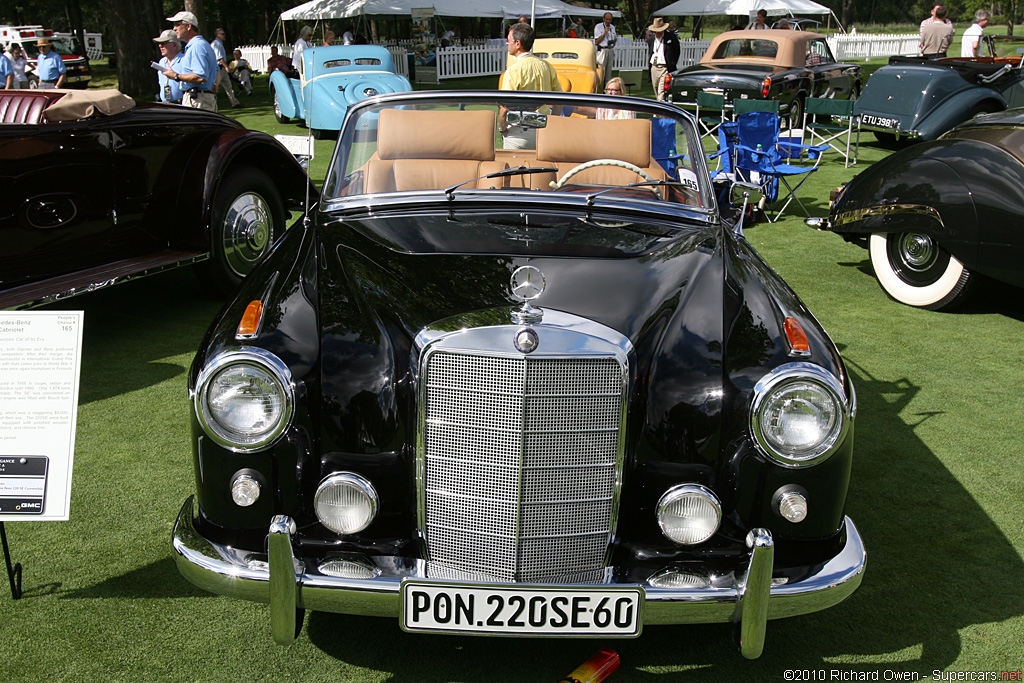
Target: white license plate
<point>881,121</point>
<point>513,610</point>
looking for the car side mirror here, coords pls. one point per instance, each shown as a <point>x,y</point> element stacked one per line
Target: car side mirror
<point>744,194</point>
<point>526,119</point>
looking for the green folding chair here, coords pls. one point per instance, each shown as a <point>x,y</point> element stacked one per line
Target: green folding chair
<point>829,122</point>
<point>713,115</point>
<point>747,106</point>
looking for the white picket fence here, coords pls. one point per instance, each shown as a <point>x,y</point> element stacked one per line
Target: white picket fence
<point>868,46</point>
<point>489,58</point>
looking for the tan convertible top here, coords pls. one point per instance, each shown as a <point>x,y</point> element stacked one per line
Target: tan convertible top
<point>81,104</point>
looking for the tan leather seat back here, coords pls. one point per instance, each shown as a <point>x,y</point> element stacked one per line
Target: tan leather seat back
<point>428,150</point>
<point>566,142</point>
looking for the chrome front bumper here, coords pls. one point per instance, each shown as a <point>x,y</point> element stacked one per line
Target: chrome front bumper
<point>748,597</point>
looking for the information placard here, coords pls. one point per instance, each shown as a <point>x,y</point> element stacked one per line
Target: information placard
<point>40,365</point>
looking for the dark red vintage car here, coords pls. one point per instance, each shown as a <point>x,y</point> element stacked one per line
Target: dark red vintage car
<point>96,189</point>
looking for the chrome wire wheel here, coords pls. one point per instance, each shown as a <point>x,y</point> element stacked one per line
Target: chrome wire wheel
<point>247,232</point>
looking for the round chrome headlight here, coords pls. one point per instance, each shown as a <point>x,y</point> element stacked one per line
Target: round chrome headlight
<point>799,414</point>
<point>689,514</point>
<point>244,399</point>
<point>345,503</point>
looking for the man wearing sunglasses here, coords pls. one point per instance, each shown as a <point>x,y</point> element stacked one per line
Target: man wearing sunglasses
<point>199,66</point>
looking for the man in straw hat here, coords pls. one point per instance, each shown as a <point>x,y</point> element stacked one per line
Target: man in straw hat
<point>662,54</point>
<point>49,66</point>
<point>198,74</point>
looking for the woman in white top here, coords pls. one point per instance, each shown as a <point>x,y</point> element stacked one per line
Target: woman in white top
<point>301,44</point>
<point>18,63</point>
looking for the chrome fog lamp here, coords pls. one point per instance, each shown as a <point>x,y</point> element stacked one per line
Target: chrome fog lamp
<point>680,579</point>
<point>346,569</point>
<point>245,489</point>
<point>799,414</point>
<point>345,503</point>
<point>244,399</point>
<point>689,514</point>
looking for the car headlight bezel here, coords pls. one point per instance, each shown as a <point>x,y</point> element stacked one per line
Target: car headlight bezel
<point>788,378</point>
<point>357,484</point>
<point>273,369</point>
<point>689,491</point>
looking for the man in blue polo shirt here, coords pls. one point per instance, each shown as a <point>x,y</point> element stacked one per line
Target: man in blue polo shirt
<point>170,58</point>
<point>49,65</point>
<point>6,73</point>
<point>198,73</point>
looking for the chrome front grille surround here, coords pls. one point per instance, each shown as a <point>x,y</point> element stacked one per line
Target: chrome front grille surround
<point>520,456</point>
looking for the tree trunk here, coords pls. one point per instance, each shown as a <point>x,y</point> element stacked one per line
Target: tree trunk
<point>136,24</point>
<point>196,8</point>
<point>75,15</point>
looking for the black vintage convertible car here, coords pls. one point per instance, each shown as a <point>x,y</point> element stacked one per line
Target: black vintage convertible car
<point>938,215</point>
<point>508,381</point>
<point>96,189</point>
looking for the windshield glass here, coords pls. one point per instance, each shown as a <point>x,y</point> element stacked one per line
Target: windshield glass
<point>600,148</point>
<point>1007,46</point>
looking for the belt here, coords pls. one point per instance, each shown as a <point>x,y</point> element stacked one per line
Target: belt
<point>49,81</point>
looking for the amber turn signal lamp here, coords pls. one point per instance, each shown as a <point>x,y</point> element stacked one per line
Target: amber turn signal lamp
<point>796,336</point>
<point>766,86</point>
<point>250,319</point>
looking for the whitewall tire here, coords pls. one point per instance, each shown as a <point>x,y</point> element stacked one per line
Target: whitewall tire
<point>913,269</point>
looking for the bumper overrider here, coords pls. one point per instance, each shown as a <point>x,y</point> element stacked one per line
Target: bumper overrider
<point>406,588</point>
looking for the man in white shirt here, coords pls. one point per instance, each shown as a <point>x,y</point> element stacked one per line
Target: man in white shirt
<point>971,46</point>
<point>760,23</point>
<point>604,39</point>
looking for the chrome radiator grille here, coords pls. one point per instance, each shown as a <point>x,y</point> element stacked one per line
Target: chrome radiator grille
<point>519,463</point>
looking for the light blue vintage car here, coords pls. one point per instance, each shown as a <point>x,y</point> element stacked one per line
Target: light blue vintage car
<point>331,79</point>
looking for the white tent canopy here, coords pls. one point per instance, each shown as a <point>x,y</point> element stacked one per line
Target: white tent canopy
<point>741,7</point>
<point>316,10</point>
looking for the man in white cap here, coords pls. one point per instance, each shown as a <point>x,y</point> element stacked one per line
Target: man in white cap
<point>49,66</point>
<point>662,54</point>
<point>198,74</point>
<point>170,58</point>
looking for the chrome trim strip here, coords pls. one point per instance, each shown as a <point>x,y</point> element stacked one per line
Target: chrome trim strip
<point>109,282</point>
<point>229,571</point>
<point>884,211</point>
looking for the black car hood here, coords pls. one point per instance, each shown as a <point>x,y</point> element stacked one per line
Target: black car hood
<point>658,286</point>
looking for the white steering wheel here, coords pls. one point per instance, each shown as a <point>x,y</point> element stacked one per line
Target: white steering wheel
<point>607,162</point>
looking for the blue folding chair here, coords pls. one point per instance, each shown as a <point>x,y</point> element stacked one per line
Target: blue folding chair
<point>759,150</point>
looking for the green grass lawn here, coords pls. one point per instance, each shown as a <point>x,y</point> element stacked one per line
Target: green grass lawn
<point>936,492</point>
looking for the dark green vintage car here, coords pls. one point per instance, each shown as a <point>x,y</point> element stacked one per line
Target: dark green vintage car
<point>920,99</point>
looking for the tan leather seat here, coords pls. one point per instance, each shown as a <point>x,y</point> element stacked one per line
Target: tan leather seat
<point>429,150</point>
<point>566,142</point>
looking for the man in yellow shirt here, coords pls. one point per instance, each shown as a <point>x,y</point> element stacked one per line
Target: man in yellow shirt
<point>526,71</point>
